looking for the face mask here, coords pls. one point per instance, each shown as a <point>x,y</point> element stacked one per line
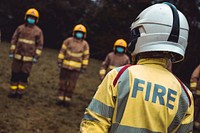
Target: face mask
<point>79,35</point>
<point>31,20</point>
<point>119,49</point>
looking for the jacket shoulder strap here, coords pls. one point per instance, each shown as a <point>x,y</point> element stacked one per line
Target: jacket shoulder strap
<point>120,73</point>
<point>185,90</point>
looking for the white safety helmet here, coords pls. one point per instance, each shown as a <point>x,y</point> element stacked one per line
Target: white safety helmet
<point>160,28</point>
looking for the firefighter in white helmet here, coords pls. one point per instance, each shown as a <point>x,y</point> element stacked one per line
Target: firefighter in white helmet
<point>73,59</point>
<point>114,59</point>
<point>146,97</point>
<point>26,48</point>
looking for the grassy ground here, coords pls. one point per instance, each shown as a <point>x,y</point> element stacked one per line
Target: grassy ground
<point>37,111</point>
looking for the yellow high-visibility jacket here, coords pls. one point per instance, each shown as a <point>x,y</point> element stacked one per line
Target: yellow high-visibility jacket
<point>146,98</point>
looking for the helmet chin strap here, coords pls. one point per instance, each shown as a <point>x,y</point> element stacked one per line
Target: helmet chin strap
<point>174,35</point>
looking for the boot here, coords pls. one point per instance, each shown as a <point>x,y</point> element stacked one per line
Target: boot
<point>20,93</point>
<point>63,101</point>
<point>12,94</point>
<point>67,99</point>
<point>60,101</point>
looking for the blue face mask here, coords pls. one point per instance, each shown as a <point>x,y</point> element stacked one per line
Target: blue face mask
<point>31,20</point>
<point>79,35</point>
<point>119,49</point>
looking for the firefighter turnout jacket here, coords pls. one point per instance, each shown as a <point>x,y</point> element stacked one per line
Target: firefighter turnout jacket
<point>145,98</point>
<point>112,61</point>
<point>195,80</point>
<point>74,54</point>
<point>27,43</point>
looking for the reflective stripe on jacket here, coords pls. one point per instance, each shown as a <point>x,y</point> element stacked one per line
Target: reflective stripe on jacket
<point>74,54</point>
<point>23,58</point>
<point>147,98</point>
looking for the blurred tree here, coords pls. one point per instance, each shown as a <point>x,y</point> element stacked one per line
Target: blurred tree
<point>106,21</point>
<point>111,20</point>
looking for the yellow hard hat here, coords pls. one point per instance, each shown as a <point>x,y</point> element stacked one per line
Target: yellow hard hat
<point>81,28</point>
<point>121,43</point>
<point>32,12</point>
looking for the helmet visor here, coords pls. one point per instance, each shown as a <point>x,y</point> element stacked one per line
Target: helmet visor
<point>135,33</point>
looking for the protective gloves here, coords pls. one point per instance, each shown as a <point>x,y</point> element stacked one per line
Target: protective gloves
<point>34,60</point>
<point>11,56</point>
<point>59,64</point>
<point>83,70</point>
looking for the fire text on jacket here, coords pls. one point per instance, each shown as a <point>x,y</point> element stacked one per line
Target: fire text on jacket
<point>159,92</point>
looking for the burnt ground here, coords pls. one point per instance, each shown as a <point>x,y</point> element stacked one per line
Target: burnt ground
<point>37,111</point>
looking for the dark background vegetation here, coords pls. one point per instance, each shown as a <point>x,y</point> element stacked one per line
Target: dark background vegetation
<point>106,20</point>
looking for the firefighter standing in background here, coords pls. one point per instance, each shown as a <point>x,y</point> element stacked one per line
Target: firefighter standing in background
<point>72,59</point>
<point>115,59</point>
<point>26,48</point>
<point>146,97</point>
<point>195,88</point>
